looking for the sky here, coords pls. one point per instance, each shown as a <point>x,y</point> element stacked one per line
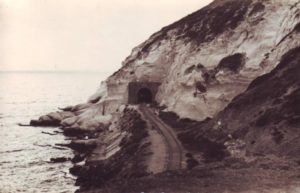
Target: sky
<point>77,35</point>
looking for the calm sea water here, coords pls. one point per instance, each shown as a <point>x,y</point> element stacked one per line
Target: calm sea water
<point>25,152</point>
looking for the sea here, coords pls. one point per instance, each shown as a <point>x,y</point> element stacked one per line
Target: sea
<point>25,152</point>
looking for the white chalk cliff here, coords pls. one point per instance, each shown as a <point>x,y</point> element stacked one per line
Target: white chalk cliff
<point>224,46</point>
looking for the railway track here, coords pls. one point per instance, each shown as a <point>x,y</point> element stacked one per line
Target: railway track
<point>175,149</point>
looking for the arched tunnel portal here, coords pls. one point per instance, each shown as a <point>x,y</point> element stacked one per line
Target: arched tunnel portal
<point>142,92</point>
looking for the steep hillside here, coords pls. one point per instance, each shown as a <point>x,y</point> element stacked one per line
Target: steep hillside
<point>230,89</point>
<point>202,61</point>
<point>250,146</point>
<point>265,118</point>
<point>222,47</point>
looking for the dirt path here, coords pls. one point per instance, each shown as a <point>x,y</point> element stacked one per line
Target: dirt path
<point>174,148</point>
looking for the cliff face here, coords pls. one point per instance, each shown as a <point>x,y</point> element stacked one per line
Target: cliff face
<point>222,47</point>
<point>235,61</point>
<point>272,119</point>
<point>264,120</point>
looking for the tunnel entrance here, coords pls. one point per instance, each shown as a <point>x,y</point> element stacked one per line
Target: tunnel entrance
<point>142,92</point>
<point>144,95</point>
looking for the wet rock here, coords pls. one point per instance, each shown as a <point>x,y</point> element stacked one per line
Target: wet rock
<point>62,145</point>
<point>78,158</point>
<point>35,122</point>
<point>92,175</point>
<point>51,119</point>
<point>23,125</point>
<point>83,146</point>
<point>73,132</point>
<point>49,133</point>
<point>44,123</point>
<point>76,170</point>
<point>59,159</point>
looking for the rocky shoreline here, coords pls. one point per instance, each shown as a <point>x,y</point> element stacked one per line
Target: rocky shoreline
<point>238,80</point>
<point>113,160</point>
<point>112,152</point>
<point>109,152</point>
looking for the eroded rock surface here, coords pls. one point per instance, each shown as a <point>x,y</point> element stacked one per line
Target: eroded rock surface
<point>224,46</point>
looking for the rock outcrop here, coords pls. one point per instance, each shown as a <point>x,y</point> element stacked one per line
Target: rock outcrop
<point>223,46</point>
<point>121,156</point>
<point>202,61</point>
<point>265,118</point>
<point>230,71</point>
<point>82,118</point>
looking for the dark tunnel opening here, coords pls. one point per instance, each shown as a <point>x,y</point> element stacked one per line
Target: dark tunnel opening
<point>144,95</point>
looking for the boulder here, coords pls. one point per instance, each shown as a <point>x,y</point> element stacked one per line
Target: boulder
<point>83,146</point>
<point>45,123</point>
<point>76,170</point>
<point>55,116</point>
<point>69,121</point>
<point>78,158</point>
<point>67,114</point>
<point>59,159</point>
<point>73,131</point>
<point>51,119</point>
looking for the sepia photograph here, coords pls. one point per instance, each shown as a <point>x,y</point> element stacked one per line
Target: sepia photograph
<point>150,96</point>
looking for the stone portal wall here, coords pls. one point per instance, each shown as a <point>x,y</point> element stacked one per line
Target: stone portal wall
<point>134,87</point>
